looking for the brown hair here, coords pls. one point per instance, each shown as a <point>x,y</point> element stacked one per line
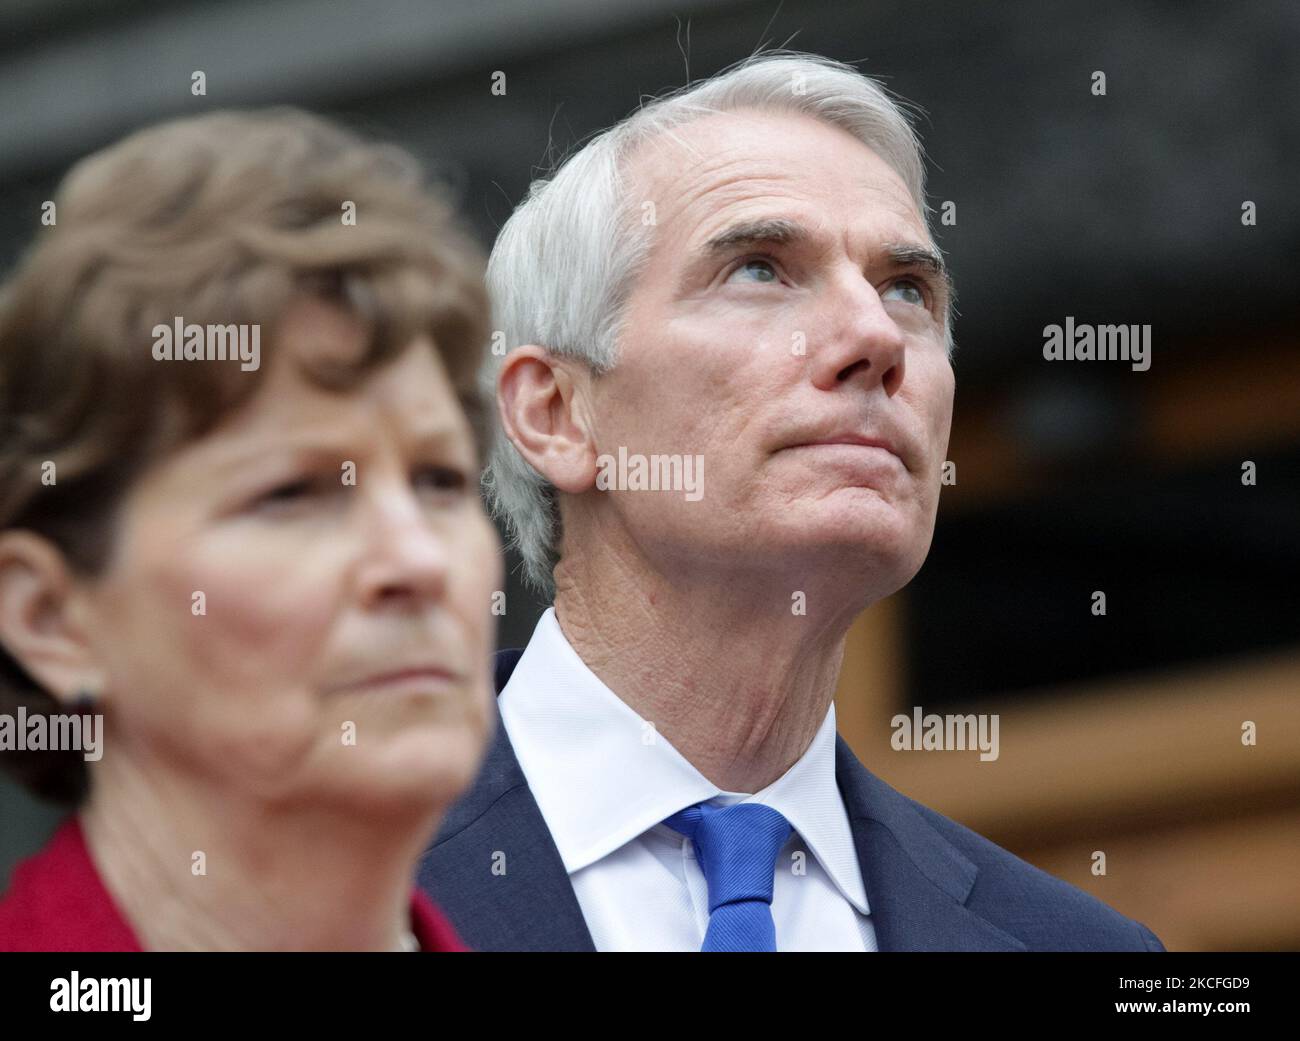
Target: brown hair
<point>220,218</point>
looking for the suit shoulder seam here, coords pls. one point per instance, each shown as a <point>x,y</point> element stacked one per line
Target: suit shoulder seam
<point>478,816</point>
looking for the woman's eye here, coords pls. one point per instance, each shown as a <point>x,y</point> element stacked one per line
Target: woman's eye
<point>912,291</point>
<point>290,491</point>
<point>442,478</point>
<point>755,270</point>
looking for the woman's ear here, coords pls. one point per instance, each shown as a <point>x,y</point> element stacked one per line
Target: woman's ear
<point>543,413</point>
<point>40,623</point>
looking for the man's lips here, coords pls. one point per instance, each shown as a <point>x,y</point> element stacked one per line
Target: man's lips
<point>854,440</point>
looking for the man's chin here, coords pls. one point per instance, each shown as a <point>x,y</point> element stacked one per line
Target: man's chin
<point>880,545</point>
<point>856,520</point>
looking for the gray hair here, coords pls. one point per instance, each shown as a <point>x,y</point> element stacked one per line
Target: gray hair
<point>563,265</point>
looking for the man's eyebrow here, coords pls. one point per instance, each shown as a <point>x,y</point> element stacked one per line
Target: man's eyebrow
<point>905,254</point>
<point>776,230</point>
<point>783,231</point>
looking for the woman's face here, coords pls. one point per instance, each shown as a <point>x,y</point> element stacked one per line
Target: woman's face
<point>298,606</point>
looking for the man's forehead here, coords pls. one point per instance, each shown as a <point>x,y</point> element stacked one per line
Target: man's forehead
<point>733,168</point>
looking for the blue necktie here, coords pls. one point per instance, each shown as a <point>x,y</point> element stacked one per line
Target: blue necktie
<point>737,848</point>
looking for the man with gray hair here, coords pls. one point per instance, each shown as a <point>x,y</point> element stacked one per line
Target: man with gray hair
<point>739,274</point>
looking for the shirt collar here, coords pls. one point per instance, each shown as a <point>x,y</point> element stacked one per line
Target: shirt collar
<point>602,775</point>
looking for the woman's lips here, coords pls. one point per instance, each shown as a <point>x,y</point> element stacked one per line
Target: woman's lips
<point>399,681</point>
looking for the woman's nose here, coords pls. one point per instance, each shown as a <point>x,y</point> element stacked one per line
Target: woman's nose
<point>405,554</point>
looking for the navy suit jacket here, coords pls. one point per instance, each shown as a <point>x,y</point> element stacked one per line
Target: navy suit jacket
<point>932,884</point>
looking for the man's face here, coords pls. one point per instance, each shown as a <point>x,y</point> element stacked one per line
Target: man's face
<point>777,319</point>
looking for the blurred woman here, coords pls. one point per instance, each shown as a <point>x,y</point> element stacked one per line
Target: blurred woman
<point>240,523</point>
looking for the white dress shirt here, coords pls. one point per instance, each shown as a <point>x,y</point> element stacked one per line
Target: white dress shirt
<point>605,781</point>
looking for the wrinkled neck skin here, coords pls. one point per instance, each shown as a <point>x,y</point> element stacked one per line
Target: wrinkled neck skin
<point>277,878</point>
<point>716,659</point>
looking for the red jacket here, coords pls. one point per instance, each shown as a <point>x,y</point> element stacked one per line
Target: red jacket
<point>57,902</point>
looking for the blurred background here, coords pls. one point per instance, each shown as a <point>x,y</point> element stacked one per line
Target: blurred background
<point>1120,733</point>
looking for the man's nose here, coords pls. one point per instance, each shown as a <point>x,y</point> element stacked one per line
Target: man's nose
<point>405,553</point>
<point>862,343</point>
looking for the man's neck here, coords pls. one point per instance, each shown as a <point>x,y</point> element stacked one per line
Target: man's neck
<point>302,880</point>
<point>728,672</point>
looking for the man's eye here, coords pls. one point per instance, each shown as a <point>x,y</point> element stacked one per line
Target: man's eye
<point>913,293</point>
<point>755,269</point>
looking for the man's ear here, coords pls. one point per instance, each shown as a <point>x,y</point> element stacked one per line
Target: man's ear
<point>544,413</point>
<point>40,616</point>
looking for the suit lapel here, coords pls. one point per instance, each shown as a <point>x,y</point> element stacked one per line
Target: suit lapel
<point>917,882</point>
<point>493,868</point>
